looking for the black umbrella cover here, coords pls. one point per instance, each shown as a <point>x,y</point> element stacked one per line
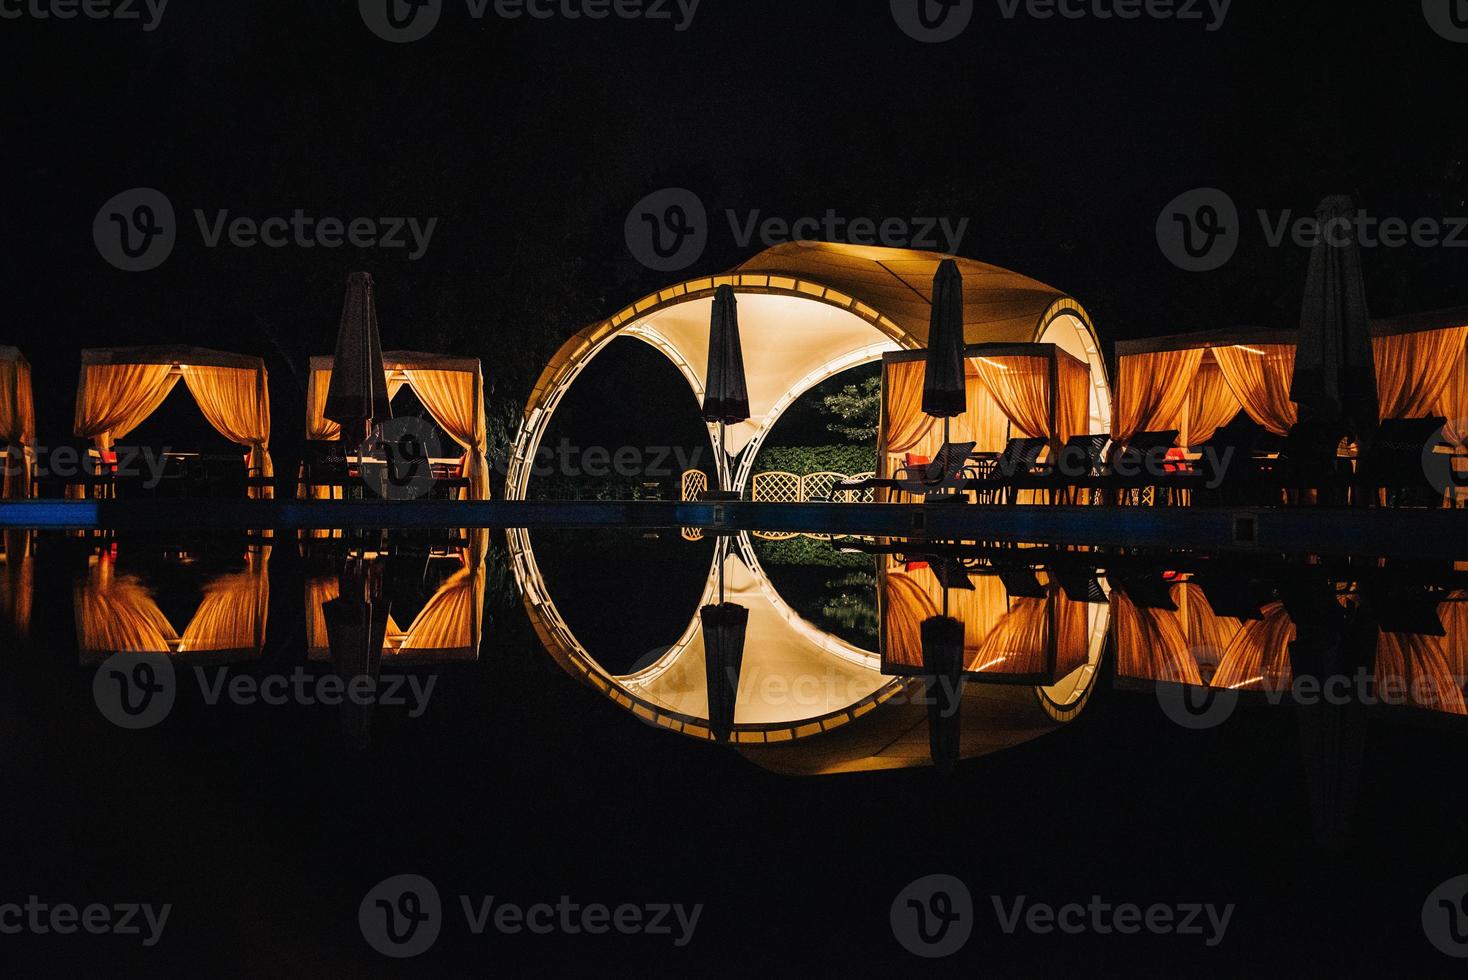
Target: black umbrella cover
<point>724,628</point>
<point>358,390</point>
<point>943,377</point>
<point>726,395</point>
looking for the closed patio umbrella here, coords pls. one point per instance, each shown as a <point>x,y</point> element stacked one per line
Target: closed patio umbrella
<point>357,397</point>
<point>1335,375</point>
<point>942,644</point>
<point>724,627</point>
<point>356,629</point>
<point>726,395</point>
<point>944,393</point>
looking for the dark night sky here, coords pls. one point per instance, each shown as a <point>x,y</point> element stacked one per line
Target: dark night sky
<point>529,141</point>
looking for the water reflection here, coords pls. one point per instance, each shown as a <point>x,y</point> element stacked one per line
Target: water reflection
<point>794,697</point>
<point>17,582</point>
<point>117,610</point>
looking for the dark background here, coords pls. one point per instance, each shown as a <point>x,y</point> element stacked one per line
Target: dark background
<point>1060,141</point>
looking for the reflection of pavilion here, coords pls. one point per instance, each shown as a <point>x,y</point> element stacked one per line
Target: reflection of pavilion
<point>118,612</point>
<point>17,581</point>
<point>448,627</point>
<point>807,701</point>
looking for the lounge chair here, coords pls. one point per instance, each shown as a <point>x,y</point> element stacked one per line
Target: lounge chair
<point>949,469</point>
<point>998,477</point>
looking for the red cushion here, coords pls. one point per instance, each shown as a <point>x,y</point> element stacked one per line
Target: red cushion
<point>915,460</point>
<point>913,566</point>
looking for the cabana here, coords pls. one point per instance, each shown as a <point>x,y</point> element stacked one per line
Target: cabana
<point>450,388</point>
<point>447,628</point>
<point>117,612</point>
<point>1014,390</point>
<point>1040,637</point>
<point>121,386</point>
<point>17,424</point>
<point>1196,383</point>
<point>807,312</point>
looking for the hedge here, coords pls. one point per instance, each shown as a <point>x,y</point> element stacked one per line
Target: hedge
<point>804,460</point>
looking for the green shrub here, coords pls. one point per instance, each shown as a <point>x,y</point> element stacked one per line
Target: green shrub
<point>804,460</point>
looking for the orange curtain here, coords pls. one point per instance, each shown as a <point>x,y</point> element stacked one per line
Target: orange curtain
<point>319,591</point>
<point>17,427</point>
<point>17,582</point>
<point>1152,391</point>
<point>116,613</point>
<point>235,401</point>
<point>456,402</point>
<point>451,619</point>
<point>1150,643</point>
<point>1419,672</point>
<point>114,399</point>
<point>1073,400</point>
<point>1259,376</point>
<point>1452,404</point>
<point>1208,634</point>
<point>905,604</point>
<point>902,406</point>
<point>1414,369</point>
<point>1211,404</point>
<point>319,428</point>
<point>1258,659</point>
<point>1020,386</point>
<point>233,612</point>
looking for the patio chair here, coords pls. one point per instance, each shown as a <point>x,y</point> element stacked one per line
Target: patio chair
<point>1391,470</point>
<point>948,470</point>
<point>998,477</point>
<point>1140,463</point>
<point>1080,459</point>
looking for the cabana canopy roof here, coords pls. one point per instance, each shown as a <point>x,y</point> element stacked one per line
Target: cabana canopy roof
<point>411,360</point>
<point>170,354</point>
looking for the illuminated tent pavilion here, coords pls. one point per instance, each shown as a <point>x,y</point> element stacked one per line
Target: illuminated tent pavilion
<point>808,311</point>
<point>808,702</point>
<point>121,386</point>
<point>1195,383</point>
<point>450,388</point>
<point>17,423</point>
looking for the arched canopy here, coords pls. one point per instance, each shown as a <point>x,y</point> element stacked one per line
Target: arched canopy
<point>1197,382</point>
<point>451,388</point>
<point>17,423</point>
<point>121,386</point>
<point>806,313</point>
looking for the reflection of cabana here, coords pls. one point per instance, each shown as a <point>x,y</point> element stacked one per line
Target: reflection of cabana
<point>1031,390</point>
<point>1196,383</point>
<point>448,627</point>
<point>118,613</point>
<point>17,581</point>
<point>807,312</point>
<point>450,388</point>
<point>1021,639</point>
<point>121,386</point>
<point>17,424</point>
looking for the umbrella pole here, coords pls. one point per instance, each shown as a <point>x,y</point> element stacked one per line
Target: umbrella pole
<point>723,457</point>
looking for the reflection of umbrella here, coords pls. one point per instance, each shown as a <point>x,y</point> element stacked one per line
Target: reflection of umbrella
<point>724,627</point>
<point>356,628</point>
<point>1335,378</point>
<point>357,398</point>
<point>726,396</point>
<point>942,638</point>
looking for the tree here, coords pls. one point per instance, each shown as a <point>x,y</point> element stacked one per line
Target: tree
<point>857,409</point>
